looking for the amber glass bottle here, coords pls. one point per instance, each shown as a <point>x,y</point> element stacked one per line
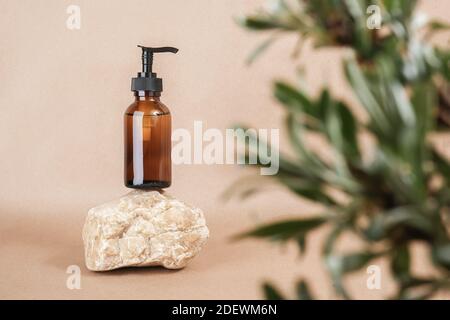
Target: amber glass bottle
<point>147,143</point>
<point>147,130</point>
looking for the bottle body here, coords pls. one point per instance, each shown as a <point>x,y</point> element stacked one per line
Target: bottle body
<point>147,143</point>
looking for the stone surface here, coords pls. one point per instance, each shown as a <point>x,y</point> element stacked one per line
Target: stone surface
<point>143,228</point>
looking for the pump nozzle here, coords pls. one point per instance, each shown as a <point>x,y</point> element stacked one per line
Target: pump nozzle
<point>147,80</point>
<point>147,56</point>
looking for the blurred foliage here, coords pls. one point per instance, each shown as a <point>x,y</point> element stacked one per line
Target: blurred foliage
<point>402,194</point>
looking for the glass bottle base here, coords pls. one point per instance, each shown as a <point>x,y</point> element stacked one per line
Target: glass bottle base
<point>148,184</point>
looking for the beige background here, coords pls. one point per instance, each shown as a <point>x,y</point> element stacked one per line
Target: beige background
<point>62,96</point>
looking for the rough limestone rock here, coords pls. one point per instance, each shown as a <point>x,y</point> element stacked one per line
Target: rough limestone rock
<point>143,228</point>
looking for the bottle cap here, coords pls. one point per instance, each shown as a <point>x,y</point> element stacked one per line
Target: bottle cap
<point>147,80</point>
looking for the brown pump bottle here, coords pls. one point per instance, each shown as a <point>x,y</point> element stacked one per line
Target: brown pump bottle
<point>147,130</point>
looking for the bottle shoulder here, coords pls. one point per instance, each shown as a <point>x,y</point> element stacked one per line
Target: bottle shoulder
<point>148,107</point>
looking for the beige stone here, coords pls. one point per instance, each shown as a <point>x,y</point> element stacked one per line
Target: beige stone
<point>143,228</point>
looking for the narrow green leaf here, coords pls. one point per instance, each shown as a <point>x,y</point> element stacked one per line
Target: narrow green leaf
<point>342,130</point>
<point>444,58</point>
<point>247,186</point>
<point>303,292</point>
<point>441,255</point>
<point>331,239</point>
<point>356,261</point>
<point>342,264</point>
<point>334,266</point>
<point>418,289</point>
<point>324,102</point>
<point>382,224</point>
<point>442,165</point>
<point>271,293</point>
<point>362,89</point>
<point>301,242</point>
<point>400,264</point>
<point>436,25</point>
<point>260,49</point>
<point>286,165</point>
<point>259,23</point>
<point>349,131</point>
<point>283,230</point>
<point>333,263</point>
<point>295,100</point>
<point>319,171</point>
<point>306,188</point>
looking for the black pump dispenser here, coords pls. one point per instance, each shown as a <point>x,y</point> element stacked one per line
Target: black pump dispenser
<point>147,80</point>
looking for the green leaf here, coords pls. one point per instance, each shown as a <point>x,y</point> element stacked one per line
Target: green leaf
<point>295,131</point>
<point>409,217</point>
<point>417,289</point>
<point>286,166</point>
<point>400,264</point>
<point>362,89</point>
<point>324,102</point>
<point>295,100</point>
<point>306,188</point>
<point>361,35</point>
<point>271,293</point>
<point>284,230</point>
<point>299,177</point>
<point>332,238</point>
<point>334,266</point>
<point>261,48</point>
<point>436,25</point>
<point>247,186</point>
<point>441,255</point>
<point>341,130</point>
<point>399,9</point>
<point>319,171</point>
<point>444,58</point>
<point>402,104</point>
<point>259,23</point>
<point>303,292</point>
<point>356,261</point>
<point>424,101</point>
<point>301,242</point>
<point>349,131</point>
<point>442,165</point>
<point>340,265</point>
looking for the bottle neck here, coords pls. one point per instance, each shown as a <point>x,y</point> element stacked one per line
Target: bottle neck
<point>147,95</point>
